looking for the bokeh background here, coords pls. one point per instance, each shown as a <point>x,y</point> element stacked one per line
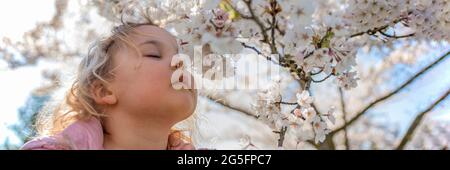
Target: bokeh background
<point>42,41</point>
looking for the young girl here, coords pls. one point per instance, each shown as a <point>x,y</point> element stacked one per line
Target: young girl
<point>122,97</point>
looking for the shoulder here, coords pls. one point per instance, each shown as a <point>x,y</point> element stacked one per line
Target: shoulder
<point>82,134</point>
<point>46,143</point>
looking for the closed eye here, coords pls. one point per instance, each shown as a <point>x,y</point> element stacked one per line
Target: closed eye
<point>154,56</point>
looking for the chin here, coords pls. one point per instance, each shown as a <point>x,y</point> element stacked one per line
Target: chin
<point>184,106</point>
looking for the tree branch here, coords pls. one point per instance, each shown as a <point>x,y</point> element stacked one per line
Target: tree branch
<point>225,104</point>
<point>282,133</point>
<point>408,82</point>
<point>274,8</point>
<point>254,49</point>
<point>259,52</point>
<point>263,30</point>
<point>330,144</point>
<point>313,144</point>
<point>344,117</point>
<point>408,136</point>
<point>258,22</point>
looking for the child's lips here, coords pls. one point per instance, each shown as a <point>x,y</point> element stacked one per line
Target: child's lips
<point>180,79</point>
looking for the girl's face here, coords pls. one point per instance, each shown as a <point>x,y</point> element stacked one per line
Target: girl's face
<point>142,82</point>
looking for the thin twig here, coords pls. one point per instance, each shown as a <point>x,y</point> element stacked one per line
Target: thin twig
<point>225,104</point>
<point>282,32</point>
<point>370,31</point>
<point>259,52</point>
<point>258,22</point>
<point>319,81</point>
<point>252,48</point>
<point>286,103</point>
<point>377,29</point>
<point>313,74</point>
<point>396,36</point>
<point>262,28</point>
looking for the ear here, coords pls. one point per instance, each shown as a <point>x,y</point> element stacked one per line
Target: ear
<point>102,94</point>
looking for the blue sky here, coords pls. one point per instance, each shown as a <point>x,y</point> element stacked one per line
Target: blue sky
<point>402,108</point>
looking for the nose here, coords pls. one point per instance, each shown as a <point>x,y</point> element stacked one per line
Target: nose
<point>177,62</point>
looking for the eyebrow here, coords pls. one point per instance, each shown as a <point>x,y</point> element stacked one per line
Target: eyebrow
<point>156,42</point>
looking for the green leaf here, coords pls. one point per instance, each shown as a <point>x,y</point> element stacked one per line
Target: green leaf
<point>226,6</point>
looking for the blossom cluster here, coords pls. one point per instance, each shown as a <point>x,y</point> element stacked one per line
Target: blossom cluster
<point>316,40</point>
<point>427,19</point>
<point>304,121</point>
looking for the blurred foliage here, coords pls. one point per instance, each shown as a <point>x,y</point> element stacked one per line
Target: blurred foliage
<point>24,128</point>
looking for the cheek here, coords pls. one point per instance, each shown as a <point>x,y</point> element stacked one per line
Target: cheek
<point>144,86</point>
<point>149,88</point>
<point>152,83</point>
<point>177,104</point>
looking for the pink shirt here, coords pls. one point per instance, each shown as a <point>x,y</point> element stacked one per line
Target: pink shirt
<point>81,135</point>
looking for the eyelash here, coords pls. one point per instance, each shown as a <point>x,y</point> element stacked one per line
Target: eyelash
<point>154,56</point>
